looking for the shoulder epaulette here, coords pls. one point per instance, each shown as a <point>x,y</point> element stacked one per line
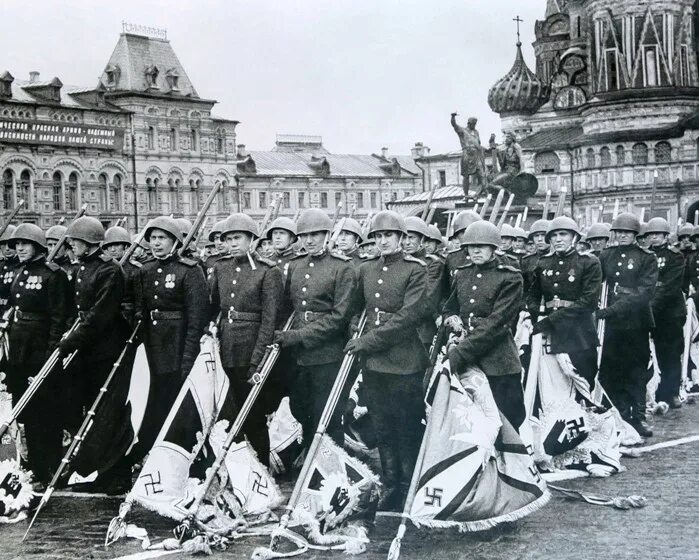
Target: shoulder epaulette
<point>644,250</point>
<point>298,256</point>
<point>52,266</point>
<point>265,260</point>
<point>370,258</point>
<point>435,258</point>
<point>410,258</point>
<point>674,249</point>
<point>188,262</point>
<point>106,258</point>
<point>135,263</point>
<point>450,251</point>
<point>509,268</point>
<point>340,256</point>
<point>465,265</point>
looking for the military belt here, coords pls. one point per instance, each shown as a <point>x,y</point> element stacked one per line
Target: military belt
<point>625,291</point>
<point>381,317</point>
<point>29,316</point>
<point>166,315</point>
<point>234,315</point>
<point>559,304</point>
<point>309,316</point>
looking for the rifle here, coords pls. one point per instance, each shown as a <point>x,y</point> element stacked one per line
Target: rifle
<point>82,433</point>
<point>496,206</point>
<point>62,239</point>
<point>428,203</point>
<point>38,379</point>
<point>486,203</point>
<point>259,377</point>
<point>330,406</point>
<point>11,217</point>
<point>265,224</point>
<point>506,210</point>
<point>199,220</point>
<point>337,228</point>
<point>561,202</point>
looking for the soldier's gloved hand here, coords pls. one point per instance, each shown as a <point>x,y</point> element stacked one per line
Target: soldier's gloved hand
<point>252,370</point>
<point>601,314</point>
<point>458,360</point>
<point>66,347</point>
<point>455,323</point>
<point>543,326</point>
<point>286,338</point>
<point>356,346</point>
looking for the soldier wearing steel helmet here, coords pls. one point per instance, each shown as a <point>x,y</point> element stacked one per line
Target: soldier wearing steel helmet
<point>568,283</point>
<point>685,242</point>
<point>10,263</point>
<point>116,242</point>
<point>537,234</point>
<point>246,294</point>
<point>433,243</point>
<point>282,233</point>
<point>40,296</point>
<point>220,248</point>
<point>669,311</point>
<point>391,291</point>
<point>598,237</point>
<point>320,289</point>
<point>631,273</point>
<point>349,238</point>
<point>62,258</point>
<point>459,256</point>
<point>173,303</point>
<point>487,299</point>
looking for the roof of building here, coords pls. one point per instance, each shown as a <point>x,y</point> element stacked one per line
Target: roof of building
<point>25,91</point>
<point>134,54</point>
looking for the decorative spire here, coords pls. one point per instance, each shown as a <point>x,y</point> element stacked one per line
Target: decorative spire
<point>518,20</point>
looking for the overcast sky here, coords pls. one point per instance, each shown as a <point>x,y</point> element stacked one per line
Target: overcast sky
<point>361,73</point>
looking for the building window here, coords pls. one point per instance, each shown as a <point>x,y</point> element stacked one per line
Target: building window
<point>57,190</point>
<point>246,201</point>
<point>116,194</point>
<point>103,194</point>
<point>442,178</point>
<point>360,200</point>
<point>323,200</point>
<point>302,199</point>
<point>620,155</point>
<point>263,199</point>
<point>372,199</point>
<point>25,182</point>
<point>151,138</point>
<point>547,162</point>
<point>605,157</point>
<point>172,196</point>
<point>663,152</point>
<point>193,140</point>
<point>590,158</point>
<point>611,69</point>
<point>639,154</point>
<point>219,144</point>
<point>173,139</point>
<point>394,196</point>
<point>286,200</point>
<point>338,199</point>
<point>650,65</point>
<point>7,188</point>
<point>72,193</point>
<point>151,186</point>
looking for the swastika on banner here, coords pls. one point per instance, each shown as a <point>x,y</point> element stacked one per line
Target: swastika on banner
<point>575,427</point>
<point>153,486</point>
<point>259,485</point>
<point>435,497</point>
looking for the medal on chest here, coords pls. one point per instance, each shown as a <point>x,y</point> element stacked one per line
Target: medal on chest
<point>661,262</point>
<point>547,272</point>
<point>571,275</point>
<point>34,283</point>
<point>170,281</point>
<point>630,265</point>
<point>7,277</point>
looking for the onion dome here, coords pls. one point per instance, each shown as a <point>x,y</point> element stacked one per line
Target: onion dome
<point>519,91</point>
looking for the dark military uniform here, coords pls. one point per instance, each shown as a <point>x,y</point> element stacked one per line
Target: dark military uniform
<point>436,283</point>
<point>173,303</point>
<point>528,266</point>
<point>488,298</point>
<point>131,277</point>
<point>691,278</point>
<point>631,274</point>
<point>320,290</point>
<point>7,275</point>
<point>281,258</point>
<point>391,290</point>
<point>209,265</point>
<point>40,296</point>
<point>669,312</point>
<point>248,301</point>
<point>570,286</point>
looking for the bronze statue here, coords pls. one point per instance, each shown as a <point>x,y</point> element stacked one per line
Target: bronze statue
<point>509,158</point>
<point>507,169</point>
<point>472,156</point>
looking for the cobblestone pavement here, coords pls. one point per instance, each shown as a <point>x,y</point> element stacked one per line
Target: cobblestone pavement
<point>71,528</point>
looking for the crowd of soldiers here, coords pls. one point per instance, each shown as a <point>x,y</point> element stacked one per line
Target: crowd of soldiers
<point>400,272</point>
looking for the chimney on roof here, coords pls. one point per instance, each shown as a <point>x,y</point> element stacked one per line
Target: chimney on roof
<point>419,150</point>
<point>242,152</point>
<point>6,80</point>
<point>34,76</point>
<point>384,152</point>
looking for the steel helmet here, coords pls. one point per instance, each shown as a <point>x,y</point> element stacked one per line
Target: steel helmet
<point>642,230</point>
<point>239,222</point>
<point>87,229</point>
<point>416,225</point>
<point>482,233</point>
<point>658,225</point>
<point>507,231</point>
<point>627,222</point>
<point>464,219</point>
<point>434,233</point>
<point>352,225</point>
<point>29,232</point>
<point>539,226</point>
<point>687,230</point>
<point>287,224</point>
<point>312,220</point>
<point>116,234</point>
<point>695,233</point>
<point>598,231</point>
<point>166,224</point>
<point>216,230</point>
<point>55,232</point>
<point>520,233</point>
<point>387,220</point>
<point>584,239</point>
<point>7,234</point>
<point>143,244</point>
<point>562,223</point>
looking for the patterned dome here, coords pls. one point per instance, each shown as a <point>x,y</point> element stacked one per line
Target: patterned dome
<point>519,91</point>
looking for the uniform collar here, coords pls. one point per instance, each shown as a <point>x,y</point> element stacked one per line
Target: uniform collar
<point>91,256</point>
<point>658,248</point>
<point>492,263</point>
<point>568,253</point>
<point>393,257</point>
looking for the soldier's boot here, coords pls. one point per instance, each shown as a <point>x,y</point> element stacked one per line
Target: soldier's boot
<point>638,416</point>
<point>390,498</point>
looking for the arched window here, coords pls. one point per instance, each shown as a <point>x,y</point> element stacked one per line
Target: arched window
<point>116,194</point>
<point>547,162</point>
<point>663,152</point>
<point>57,190</point>
<point>620,155</point>
<point>174,199</point>
<point>152,195</point>
<point>25,183</point>
<point>72,193</point>
<point>8,180</point>
<point>195,185</point>
<point>639,154</point>
<point>151,138</point>
<point>222,196</point>
<point>193,140</point>
<point>605,157</point>
<point>590,158</point>
<point>103,193</point>
<point>173,139</point>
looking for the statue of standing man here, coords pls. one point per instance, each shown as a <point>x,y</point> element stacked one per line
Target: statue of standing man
<point>472,156</point>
